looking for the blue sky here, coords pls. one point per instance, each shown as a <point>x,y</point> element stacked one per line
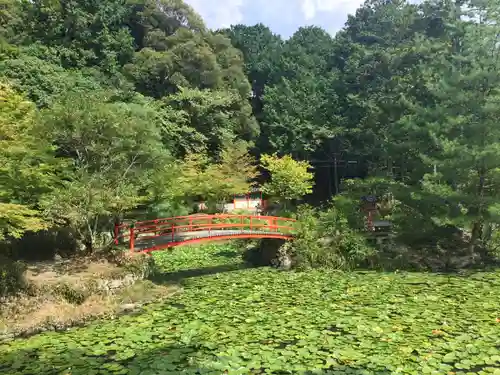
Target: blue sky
<point>282,16</point>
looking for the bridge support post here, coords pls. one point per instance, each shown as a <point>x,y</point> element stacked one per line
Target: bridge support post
<point>172,229</point>
<point>132,238</point>
<point>116,232</point>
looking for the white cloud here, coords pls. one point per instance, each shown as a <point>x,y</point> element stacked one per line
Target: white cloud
<point>282,16</point>
<point>218,13</point>
<point>310,8</point>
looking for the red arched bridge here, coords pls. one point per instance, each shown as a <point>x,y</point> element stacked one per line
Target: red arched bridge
<point>160,234</point>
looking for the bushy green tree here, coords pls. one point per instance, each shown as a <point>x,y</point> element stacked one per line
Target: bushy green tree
<point>213,118</point>
<point>261,52</point>
<point>27,165</point>
<point>462,124</point>
<point>115,148</point>
<point>215,181</point>
<point>324,239</point>
<point>289,179</point>
<point>82,33</point>
<point>43,81</point>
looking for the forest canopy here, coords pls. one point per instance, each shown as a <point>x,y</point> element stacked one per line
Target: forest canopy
<point>111,106</point>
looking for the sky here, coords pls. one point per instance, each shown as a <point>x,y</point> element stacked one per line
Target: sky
<point>283,17</point>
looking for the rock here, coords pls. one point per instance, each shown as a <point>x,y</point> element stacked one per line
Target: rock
<point>128,307</point>
<point>115,284</point>
<point>464,261</point>
<point>271,253</point>
<point>284,256</point>
<point>7,337</point>
<point>286,262</point>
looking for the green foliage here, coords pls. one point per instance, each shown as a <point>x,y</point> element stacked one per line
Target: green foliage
<point>174,54</point>
<point>16,219</point>
<point>213,119</point>
<point>261,51</point>
<point>43,81</point>
<point>324,239</point>
<point>84,33</point>
<point>290,179</point>
<point>215,182</point>
<point>139,100</point>
<point>151,22</point>
<point>9,16</point>
<point>463,128</point>
<point>299,112</point>
<point>115,148</point>
<point>234,319</point>
<point>27,165</point>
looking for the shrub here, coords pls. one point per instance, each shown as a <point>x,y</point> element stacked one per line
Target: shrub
<point>12,277</point>
<point>70,294</point>
<point>324,239</point>
<point>44,245</point>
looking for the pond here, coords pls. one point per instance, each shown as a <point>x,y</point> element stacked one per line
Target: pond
<point>239,320</point>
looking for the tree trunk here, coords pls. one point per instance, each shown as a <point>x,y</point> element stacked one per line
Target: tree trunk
<point>477,232</point>
<point>477,226</point>
<point>88,239</point>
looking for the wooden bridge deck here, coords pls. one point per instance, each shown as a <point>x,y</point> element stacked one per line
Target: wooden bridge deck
<point>143,243</point>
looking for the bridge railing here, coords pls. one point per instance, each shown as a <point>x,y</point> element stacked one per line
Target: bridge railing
<point>212,225</point>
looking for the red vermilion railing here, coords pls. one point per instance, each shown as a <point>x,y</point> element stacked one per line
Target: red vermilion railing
<point>163,233</point>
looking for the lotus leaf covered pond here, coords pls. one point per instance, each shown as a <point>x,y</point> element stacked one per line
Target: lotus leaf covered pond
<point>238,320</point>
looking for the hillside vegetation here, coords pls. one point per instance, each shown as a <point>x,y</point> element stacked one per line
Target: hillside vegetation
<point>116,109</point>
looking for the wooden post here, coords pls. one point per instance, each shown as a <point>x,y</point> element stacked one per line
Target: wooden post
<point>370,220</point>
<point>172,228</point>
<point>132,238</point>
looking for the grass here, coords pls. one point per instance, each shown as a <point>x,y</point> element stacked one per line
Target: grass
<point>239,320</point>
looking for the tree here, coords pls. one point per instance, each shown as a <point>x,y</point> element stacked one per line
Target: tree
<point>190,60</point>
<point>152,21</point>
<point>235,171</point>
<point>212,119</point>
<point>115,148</point>
<point>9,17</point>
<point>298,115</point>
<point>261,52</point>
<point>82,33</point>
<point>43,81</point>
<point>217,180</point>
<point>462,123</point>
<point>290,179</point>
<point>27,166</point>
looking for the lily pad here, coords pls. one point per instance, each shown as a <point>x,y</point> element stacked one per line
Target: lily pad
<point>238,320</point>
